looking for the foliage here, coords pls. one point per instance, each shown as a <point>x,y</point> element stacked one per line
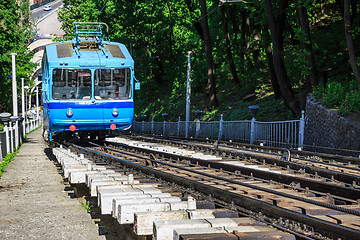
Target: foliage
<point>86,204</point>
<point>15,33</point>
<point>345,97</point>
<point>159,34</point>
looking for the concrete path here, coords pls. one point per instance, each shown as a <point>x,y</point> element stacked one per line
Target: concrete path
<point>34,203</point>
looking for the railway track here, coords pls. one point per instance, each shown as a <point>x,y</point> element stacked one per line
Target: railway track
<point>331,168</point>
<point>307,205</point>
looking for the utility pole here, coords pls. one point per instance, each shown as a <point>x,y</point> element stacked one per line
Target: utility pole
<point>14,93</point>
<point>188,94</point>
<point>37,107</point>
<point>23,104</point>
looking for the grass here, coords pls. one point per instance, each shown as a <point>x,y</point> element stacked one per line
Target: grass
<point>10,156</point>
<point>85,205</point>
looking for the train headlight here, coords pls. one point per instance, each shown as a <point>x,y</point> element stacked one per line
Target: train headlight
<point>115,112</point>
<point>69,113</point>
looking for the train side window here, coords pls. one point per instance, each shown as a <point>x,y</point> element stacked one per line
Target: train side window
<point>58,80</point>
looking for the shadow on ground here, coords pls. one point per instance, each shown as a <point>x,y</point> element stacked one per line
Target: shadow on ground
<point>107,225</point>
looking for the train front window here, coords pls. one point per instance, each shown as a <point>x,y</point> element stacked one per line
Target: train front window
<point>71,84</point>
<point>112,83</point>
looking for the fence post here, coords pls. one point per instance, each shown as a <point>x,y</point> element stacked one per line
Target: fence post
<point>164,125</point>
<point>301,130</point>
<point>142,126</point>
<point>178,127</point>
<point>252,130</point>
<point>11,137</point>
<point>152,126</point>
<point>134,123</point>
<point>197,128</point>
<point>220,127</point>
<point>6,128</point>
<point>1,154</point>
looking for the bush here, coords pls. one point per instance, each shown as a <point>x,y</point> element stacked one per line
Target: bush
<point>342,96</point>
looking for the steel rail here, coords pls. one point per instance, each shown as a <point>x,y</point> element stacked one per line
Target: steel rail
<point>334,207</point>
<point>339,158</point>
<point>341,177</point>
<point>337,231</point>
<point>333,189</point>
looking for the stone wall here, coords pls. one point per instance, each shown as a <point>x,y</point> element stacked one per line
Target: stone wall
<point>325,130</point>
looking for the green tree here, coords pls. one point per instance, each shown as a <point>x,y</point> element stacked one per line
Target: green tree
<point>14,37</point>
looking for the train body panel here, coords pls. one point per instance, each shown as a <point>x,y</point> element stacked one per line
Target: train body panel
<point>87,86</point>
<point>87,116</point>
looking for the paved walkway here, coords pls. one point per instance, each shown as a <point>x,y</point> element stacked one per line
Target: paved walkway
<point>33,200</point>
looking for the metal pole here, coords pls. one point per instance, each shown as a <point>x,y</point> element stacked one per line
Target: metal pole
<point>252,131</point>
<point>178,127</point>
<point>220,127</point>
<point>152,126</point>
<point>23,104</point>
<point>11,138</point>
<point>37,107</point>
<point>26,122</point>
<point>1,154</point>
<point>197,128</point>
<point>6,128</point>
<point>301,130</point>
<point>164,126</point>
<point>15,103</point>
<point>188,94</point>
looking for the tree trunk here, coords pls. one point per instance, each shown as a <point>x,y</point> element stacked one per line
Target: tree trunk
<point>245,32</point>
<point>279,66</point>
<point>196,23</point>
<point>307,46</point>
<point>228,46</point>
<point>269,59</point>
<point>349,41</point>
<point>209,58</point>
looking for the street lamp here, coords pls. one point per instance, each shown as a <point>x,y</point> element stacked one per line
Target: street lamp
<point>198,114</point>
<point>14,94</point>
<point>165,116</point>
<point>254,109</point>
<point>188,93</point>
<point>37,103</point>
<point>23,102</point>
<point>26,102</point>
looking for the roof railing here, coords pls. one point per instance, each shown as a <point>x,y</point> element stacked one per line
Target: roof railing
<point>88,30</point>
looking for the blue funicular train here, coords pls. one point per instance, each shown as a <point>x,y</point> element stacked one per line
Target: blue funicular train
<point>87,85</point>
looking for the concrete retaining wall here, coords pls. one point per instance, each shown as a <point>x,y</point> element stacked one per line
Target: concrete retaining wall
<point>326,130</point>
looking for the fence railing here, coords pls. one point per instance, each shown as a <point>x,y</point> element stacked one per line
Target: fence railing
<point>8,140</point>
<point>287,134</point>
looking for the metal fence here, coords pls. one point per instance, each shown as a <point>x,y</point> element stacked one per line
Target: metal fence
<point>287,134</point>
<point>8,140</point>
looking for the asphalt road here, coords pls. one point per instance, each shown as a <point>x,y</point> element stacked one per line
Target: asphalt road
<point>49,24</point>
<point>38,13</point>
